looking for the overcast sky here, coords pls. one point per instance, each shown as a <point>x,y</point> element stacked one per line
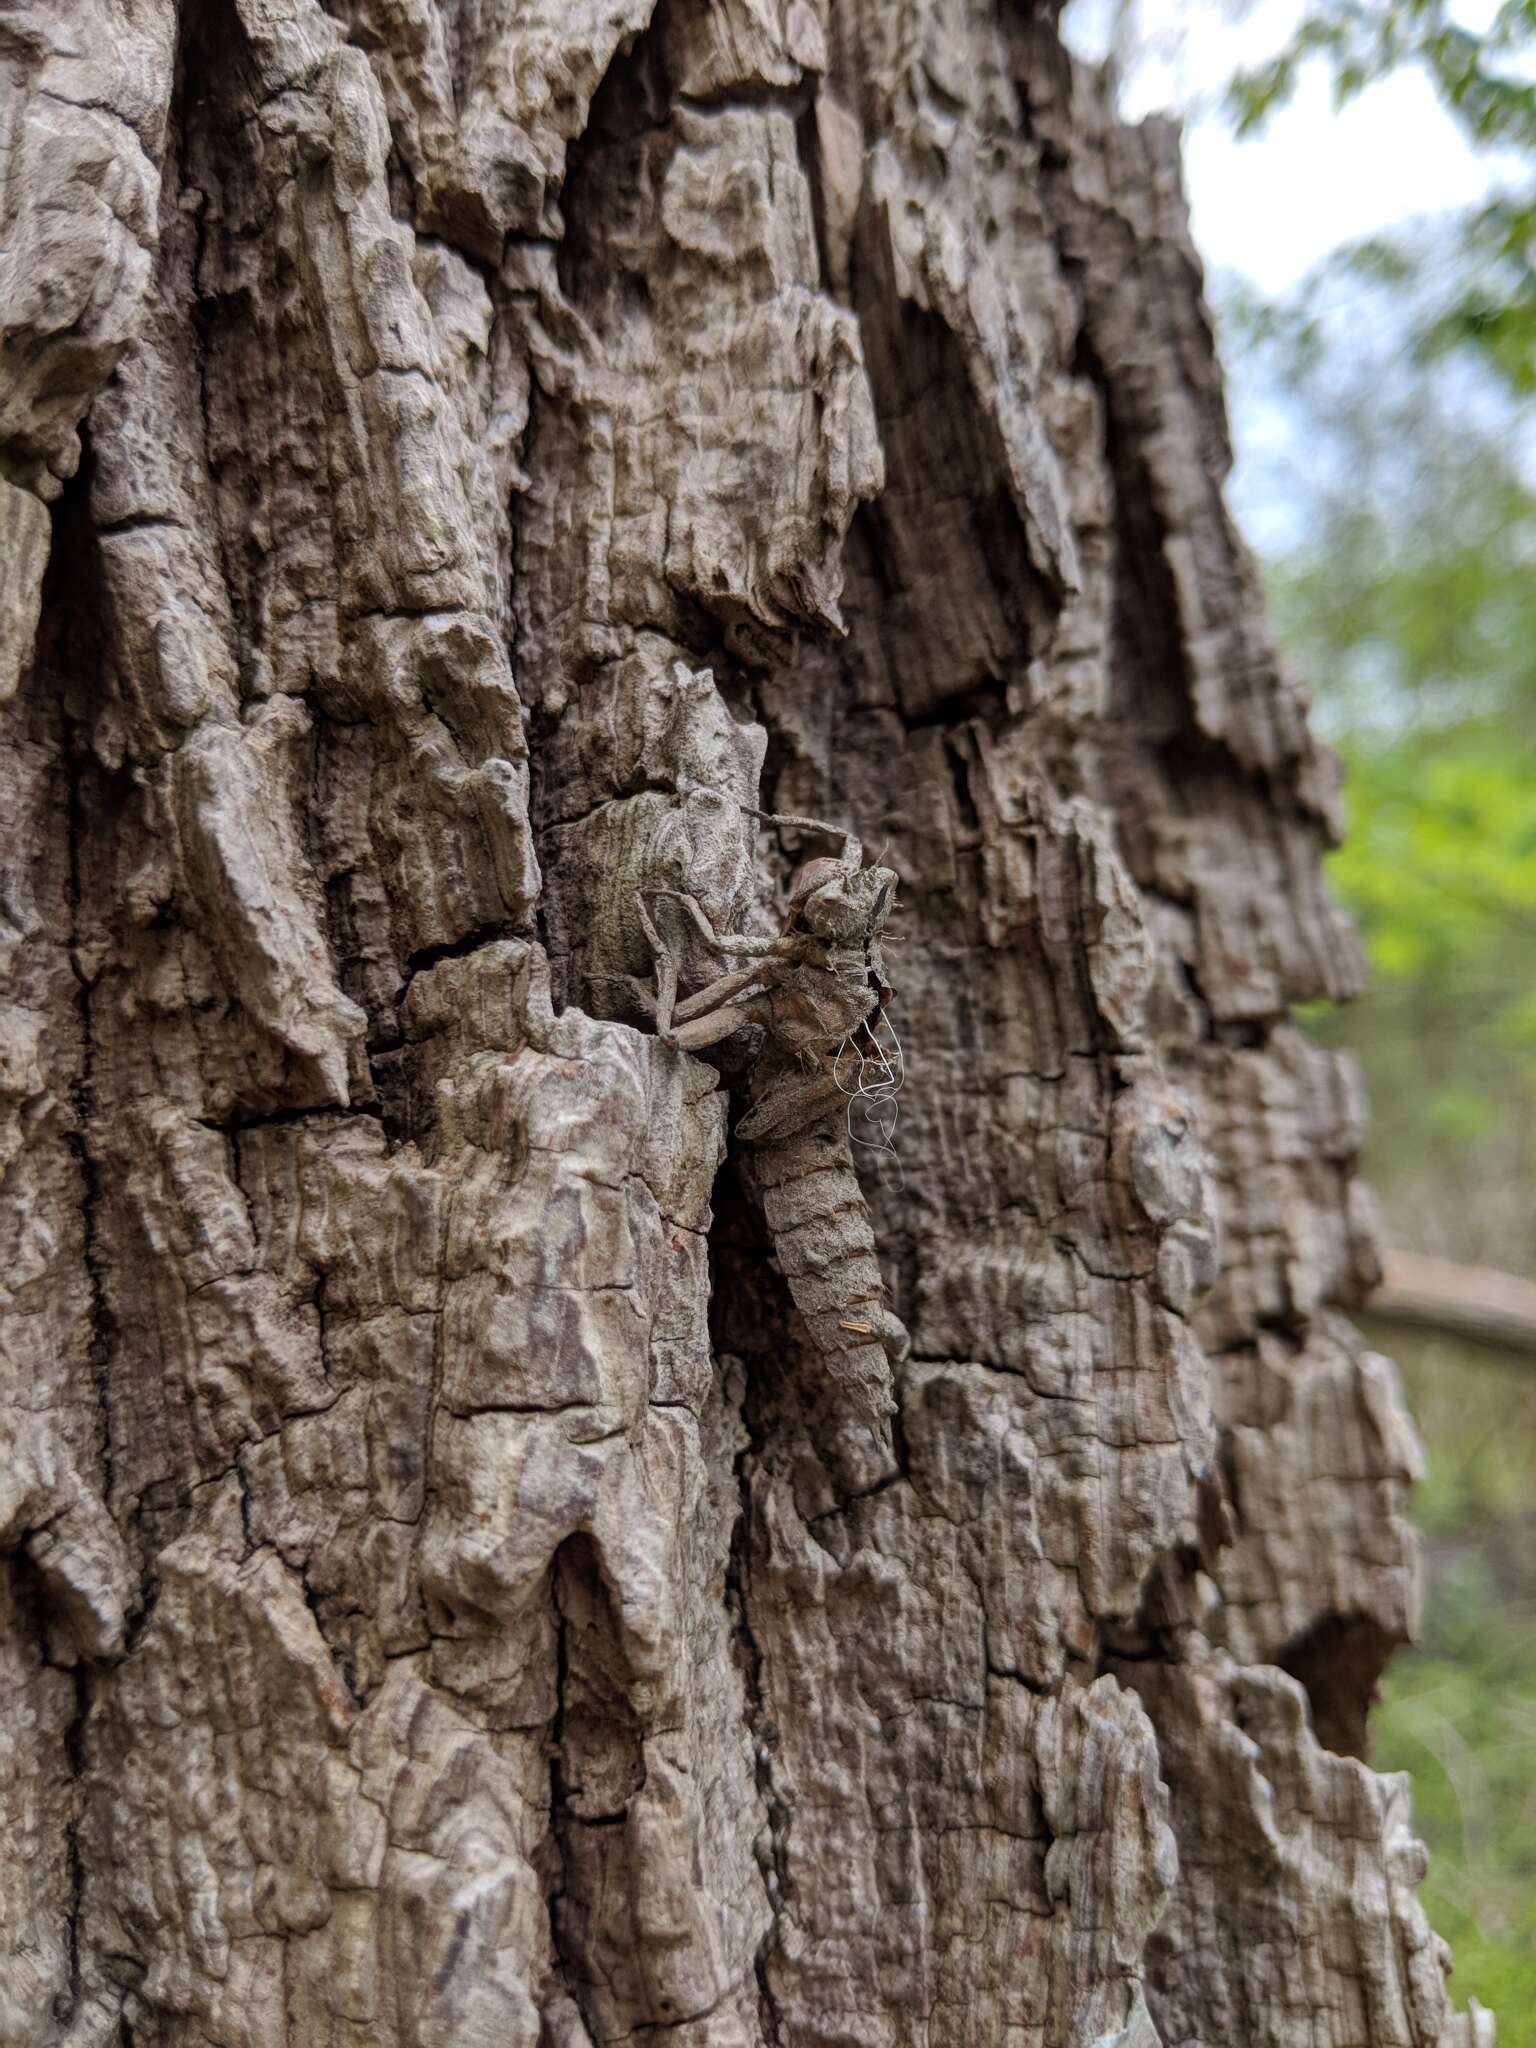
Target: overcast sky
<point>1272,206</point>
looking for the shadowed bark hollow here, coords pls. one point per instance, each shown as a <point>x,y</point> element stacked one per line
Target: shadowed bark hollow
<point>458,460</point>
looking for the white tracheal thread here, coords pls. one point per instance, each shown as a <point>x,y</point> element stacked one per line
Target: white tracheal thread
<point>881,1073</point>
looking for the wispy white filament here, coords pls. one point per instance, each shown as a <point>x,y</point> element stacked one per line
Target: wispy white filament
<point>872,1087</point>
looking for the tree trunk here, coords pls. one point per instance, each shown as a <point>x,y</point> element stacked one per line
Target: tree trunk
<point>460,457</point>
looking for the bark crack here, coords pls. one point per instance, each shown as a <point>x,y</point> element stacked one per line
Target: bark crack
<point>773,1857</point>
<point>74,1751</point>
<point>70,536</point>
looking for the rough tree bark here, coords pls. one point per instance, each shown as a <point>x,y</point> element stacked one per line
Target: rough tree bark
<point>457,454</point>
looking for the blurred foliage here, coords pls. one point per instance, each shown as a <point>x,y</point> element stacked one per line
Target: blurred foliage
<point>1388,436</point>
<point>1407,601</point>
<point>1476,73</point>
<point>1459,1712</point>
<point>1485,299</point>
<point>1413,612</point>
<point>1403,591</point>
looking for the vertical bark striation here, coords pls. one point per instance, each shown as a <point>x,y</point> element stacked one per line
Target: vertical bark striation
<point>455,462</point>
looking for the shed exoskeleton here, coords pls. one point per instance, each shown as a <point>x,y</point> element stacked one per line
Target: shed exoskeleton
<point>819,991</point>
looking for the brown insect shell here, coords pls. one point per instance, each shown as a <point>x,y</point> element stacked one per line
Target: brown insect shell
<point>841,906</point>
<point>812,875</point>
<point>819,1016</point>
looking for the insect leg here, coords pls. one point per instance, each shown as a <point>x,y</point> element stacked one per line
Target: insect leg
<point>666,970</point>
<point>718,942</point>
<point>728,988</point>
<point>852,855</point>
<point>711,1026</point>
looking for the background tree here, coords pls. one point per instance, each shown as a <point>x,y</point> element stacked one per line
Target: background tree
<point>456,463</point>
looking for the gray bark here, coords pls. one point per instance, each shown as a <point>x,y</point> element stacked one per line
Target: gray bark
<point>454,456</point>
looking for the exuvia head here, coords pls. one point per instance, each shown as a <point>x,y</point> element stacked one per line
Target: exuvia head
<point>843,905</point>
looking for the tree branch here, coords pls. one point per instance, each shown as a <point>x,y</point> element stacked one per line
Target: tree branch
<point>1473,1303</point>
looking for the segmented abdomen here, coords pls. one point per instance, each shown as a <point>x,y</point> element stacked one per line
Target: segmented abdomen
<point>817,1217</point>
